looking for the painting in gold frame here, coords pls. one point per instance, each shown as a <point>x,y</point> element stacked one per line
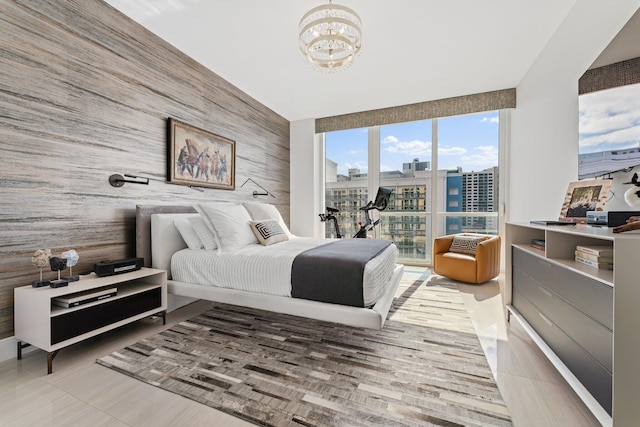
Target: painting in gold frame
<point>583,196</point>
<point>200,158</point>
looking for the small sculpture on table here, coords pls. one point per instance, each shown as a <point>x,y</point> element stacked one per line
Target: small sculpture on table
<point>40,259</point>
<point>58,264</point>
<point>72,259</point>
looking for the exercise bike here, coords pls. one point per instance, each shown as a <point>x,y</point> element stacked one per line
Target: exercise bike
<point>381,202</point>
<point>329,216</point>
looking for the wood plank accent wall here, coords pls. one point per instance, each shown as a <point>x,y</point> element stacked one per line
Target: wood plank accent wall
<point>86,92</point>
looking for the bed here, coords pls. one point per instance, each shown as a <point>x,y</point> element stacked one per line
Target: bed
<point>162,245</point>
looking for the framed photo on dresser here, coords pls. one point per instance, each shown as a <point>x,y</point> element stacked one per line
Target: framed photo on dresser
<point>200,158</point>
<point>583,196</point>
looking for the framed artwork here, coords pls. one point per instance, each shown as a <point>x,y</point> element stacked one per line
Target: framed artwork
<point>583,196</point>
<point>199,158</point>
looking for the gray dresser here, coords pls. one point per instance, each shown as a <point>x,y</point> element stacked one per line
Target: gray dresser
<point>573,314</point>
<point>583,319</point>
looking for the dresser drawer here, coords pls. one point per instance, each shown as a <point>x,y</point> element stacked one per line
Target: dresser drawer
<point>587,295</point>
<point>535,266</point>
<point>591,374</point>
<point>596,339</point>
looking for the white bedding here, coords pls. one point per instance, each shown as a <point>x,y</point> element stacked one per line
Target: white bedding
<point>267,269</point>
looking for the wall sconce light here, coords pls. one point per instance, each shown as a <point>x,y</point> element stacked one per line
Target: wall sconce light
<point>256,193</point>
<point>117,180</point>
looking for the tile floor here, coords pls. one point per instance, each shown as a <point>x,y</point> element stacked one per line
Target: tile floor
<point>82,393</point>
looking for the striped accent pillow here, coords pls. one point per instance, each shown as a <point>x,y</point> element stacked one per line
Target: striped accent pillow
<point>206,236</point>
<point>466,243</point>
<point>268,231</point>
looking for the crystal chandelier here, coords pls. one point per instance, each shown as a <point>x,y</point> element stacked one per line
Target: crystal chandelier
<point>330,37</point>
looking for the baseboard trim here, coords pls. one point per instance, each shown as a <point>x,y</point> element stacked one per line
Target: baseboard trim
<point>9,349</point>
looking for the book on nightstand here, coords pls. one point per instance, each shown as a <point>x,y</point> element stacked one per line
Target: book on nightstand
<point>79,298</point>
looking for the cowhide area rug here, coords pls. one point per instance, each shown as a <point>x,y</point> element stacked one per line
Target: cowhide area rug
<point>424,368</point>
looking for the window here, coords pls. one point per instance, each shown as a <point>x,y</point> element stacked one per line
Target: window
<point>405,167</point>
<point>346,169</point>
<point>468,148</point>
<point>609,131</point>
<point>459,194</point>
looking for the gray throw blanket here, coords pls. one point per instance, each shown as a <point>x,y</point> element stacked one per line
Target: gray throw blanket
<point>333,272</point>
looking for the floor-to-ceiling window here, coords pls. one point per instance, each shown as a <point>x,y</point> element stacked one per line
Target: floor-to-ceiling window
<point>468,148</point>
<point>443,173</point>
<point>405,168</point>
<point>346,175</point>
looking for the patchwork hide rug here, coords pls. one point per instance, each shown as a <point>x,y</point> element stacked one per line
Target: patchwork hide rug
<point>424,368</point>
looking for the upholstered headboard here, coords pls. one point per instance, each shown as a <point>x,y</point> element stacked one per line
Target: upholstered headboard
<point>143,226</point>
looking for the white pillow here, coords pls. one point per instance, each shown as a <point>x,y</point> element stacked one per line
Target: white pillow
<point>230,224</point>
<point>268,232</point>
<point>165,240</point>
<point>259,211</point>
<point>205,235</point>
<point>187,232</point>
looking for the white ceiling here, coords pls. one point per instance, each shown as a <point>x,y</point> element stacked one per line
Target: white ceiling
<point>624,46</point>
<point>413,50</point>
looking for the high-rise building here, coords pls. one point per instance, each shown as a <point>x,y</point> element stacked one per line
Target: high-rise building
<point>480,194</point>
<point>407,219</point>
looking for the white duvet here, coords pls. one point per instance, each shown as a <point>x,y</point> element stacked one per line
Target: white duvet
<point>267,269</point>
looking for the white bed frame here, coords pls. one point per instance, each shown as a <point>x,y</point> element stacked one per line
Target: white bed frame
<point>372,318</point>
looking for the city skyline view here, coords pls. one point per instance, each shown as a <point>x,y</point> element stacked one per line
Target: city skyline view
<point>609,119</point>
<point>469,141</point>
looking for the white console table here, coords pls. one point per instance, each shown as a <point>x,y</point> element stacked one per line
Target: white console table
<point>582,318</point>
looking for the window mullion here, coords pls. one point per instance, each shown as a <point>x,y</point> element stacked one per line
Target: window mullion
<point>434,179</point>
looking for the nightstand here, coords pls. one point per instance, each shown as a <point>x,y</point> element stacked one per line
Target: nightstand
<point>41,322</point>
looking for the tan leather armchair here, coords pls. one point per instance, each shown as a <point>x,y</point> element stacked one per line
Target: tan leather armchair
<point>485,265</point>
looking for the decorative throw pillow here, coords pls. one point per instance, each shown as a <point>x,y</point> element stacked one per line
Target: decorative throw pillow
<point>205,235</point>
<point>466,243</point>
<point>268,232</point>
<point>260,211</point>
<point>229,223</point>
<point>187,232</point>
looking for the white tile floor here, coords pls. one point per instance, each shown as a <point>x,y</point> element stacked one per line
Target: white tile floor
<point>82,393</point>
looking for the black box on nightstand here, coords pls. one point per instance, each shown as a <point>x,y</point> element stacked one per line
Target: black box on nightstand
<point>109,268</point>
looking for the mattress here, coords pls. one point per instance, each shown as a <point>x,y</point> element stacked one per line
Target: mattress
<point>267,269</point>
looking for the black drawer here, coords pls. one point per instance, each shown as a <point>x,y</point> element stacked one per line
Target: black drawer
<point>591,374</point>
<point>586,332</point>
<point>587,295</point>
<point>78,322</point>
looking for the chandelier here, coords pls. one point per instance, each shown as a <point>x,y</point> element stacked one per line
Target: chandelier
<point>330,37</point>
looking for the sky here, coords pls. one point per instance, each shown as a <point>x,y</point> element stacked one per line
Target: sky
<point>469,141</point>
<point>610,119</point>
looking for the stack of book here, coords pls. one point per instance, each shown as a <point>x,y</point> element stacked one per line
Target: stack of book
<point>538,244</point>
<point>595,256</point>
